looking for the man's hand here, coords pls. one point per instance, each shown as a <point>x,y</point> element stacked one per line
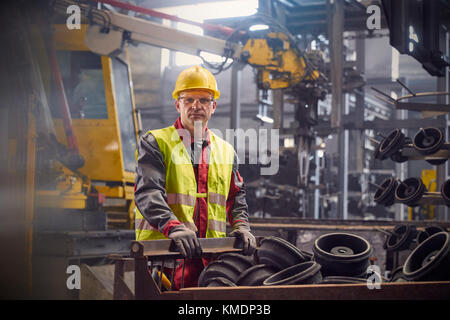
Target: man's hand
<point>247,238</point>
<point>186,241</point>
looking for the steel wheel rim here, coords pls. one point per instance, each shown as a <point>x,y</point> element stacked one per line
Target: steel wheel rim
<point>429,144</point>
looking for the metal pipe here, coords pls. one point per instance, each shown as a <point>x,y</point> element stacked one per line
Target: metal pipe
<point>182,273</point>
<point>173,272</point>
<point>376,185</point>
<point>336,29</point>
<point>382,93</point>
<point>206,26</point>
<point>422,94</point>
<point>373,140</point>
<point>406,88</point>
<point>236,79</point>
<point>386,232</point>
<point>317,183</point>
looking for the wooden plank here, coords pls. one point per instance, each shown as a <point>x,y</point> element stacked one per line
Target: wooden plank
<point>387,291</point>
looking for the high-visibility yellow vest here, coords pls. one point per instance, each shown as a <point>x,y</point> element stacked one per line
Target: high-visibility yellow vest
<point>181,186</point>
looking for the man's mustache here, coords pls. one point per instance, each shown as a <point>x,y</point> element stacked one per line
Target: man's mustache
<point>197,114</point>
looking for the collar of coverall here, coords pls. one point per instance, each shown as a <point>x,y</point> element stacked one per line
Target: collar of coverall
<point>179,125</point>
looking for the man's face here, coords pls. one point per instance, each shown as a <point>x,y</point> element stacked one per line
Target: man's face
<point>195,105</point>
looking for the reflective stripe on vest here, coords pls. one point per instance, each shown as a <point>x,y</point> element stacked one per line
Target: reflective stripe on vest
<point>179,198</point>
<point>217,198</point>
<point>181,185</point>
<point>218,226</point>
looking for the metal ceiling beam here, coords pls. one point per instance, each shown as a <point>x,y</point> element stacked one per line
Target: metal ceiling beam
<point>153,4</point>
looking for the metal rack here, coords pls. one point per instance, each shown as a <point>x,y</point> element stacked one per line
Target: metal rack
<point>147,288</point>
<point>147,253</point>
<point>400,149</point>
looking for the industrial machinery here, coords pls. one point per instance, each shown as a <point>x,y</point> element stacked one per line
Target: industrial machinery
<point>99,95</point>
<point>73,128</point>
<point>273,52</point>
<point>415,28</point>
<point>428,144</point>
<point>280,270</point>
<point>104,121</point>
<point>82,127</point>
<point>74,112</point>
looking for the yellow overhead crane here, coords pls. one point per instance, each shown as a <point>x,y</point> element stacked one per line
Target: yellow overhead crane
<point>279,63</point>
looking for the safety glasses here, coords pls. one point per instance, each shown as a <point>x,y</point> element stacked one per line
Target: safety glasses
<point>191,100</point>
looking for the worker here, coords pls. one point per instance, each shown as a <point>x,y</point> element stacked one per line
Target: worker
<point>187,179</point>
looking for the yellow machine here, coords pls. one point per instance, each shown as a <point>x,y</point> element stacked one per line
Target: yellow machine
<point>100,96</point>
<point>279,64</point>
<point>429,180</point>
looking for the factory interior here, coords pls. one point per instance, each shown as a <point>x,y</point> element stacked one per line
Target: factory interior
<point>338,111</point>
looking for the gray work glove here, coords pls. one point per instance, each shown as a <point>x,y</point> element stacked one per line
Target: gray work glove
<point>248,239</point>
<point>186,241</point>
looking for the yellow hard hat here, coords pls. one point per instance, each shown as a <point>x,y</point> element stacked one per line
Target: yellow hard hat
<point>196,77</point>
